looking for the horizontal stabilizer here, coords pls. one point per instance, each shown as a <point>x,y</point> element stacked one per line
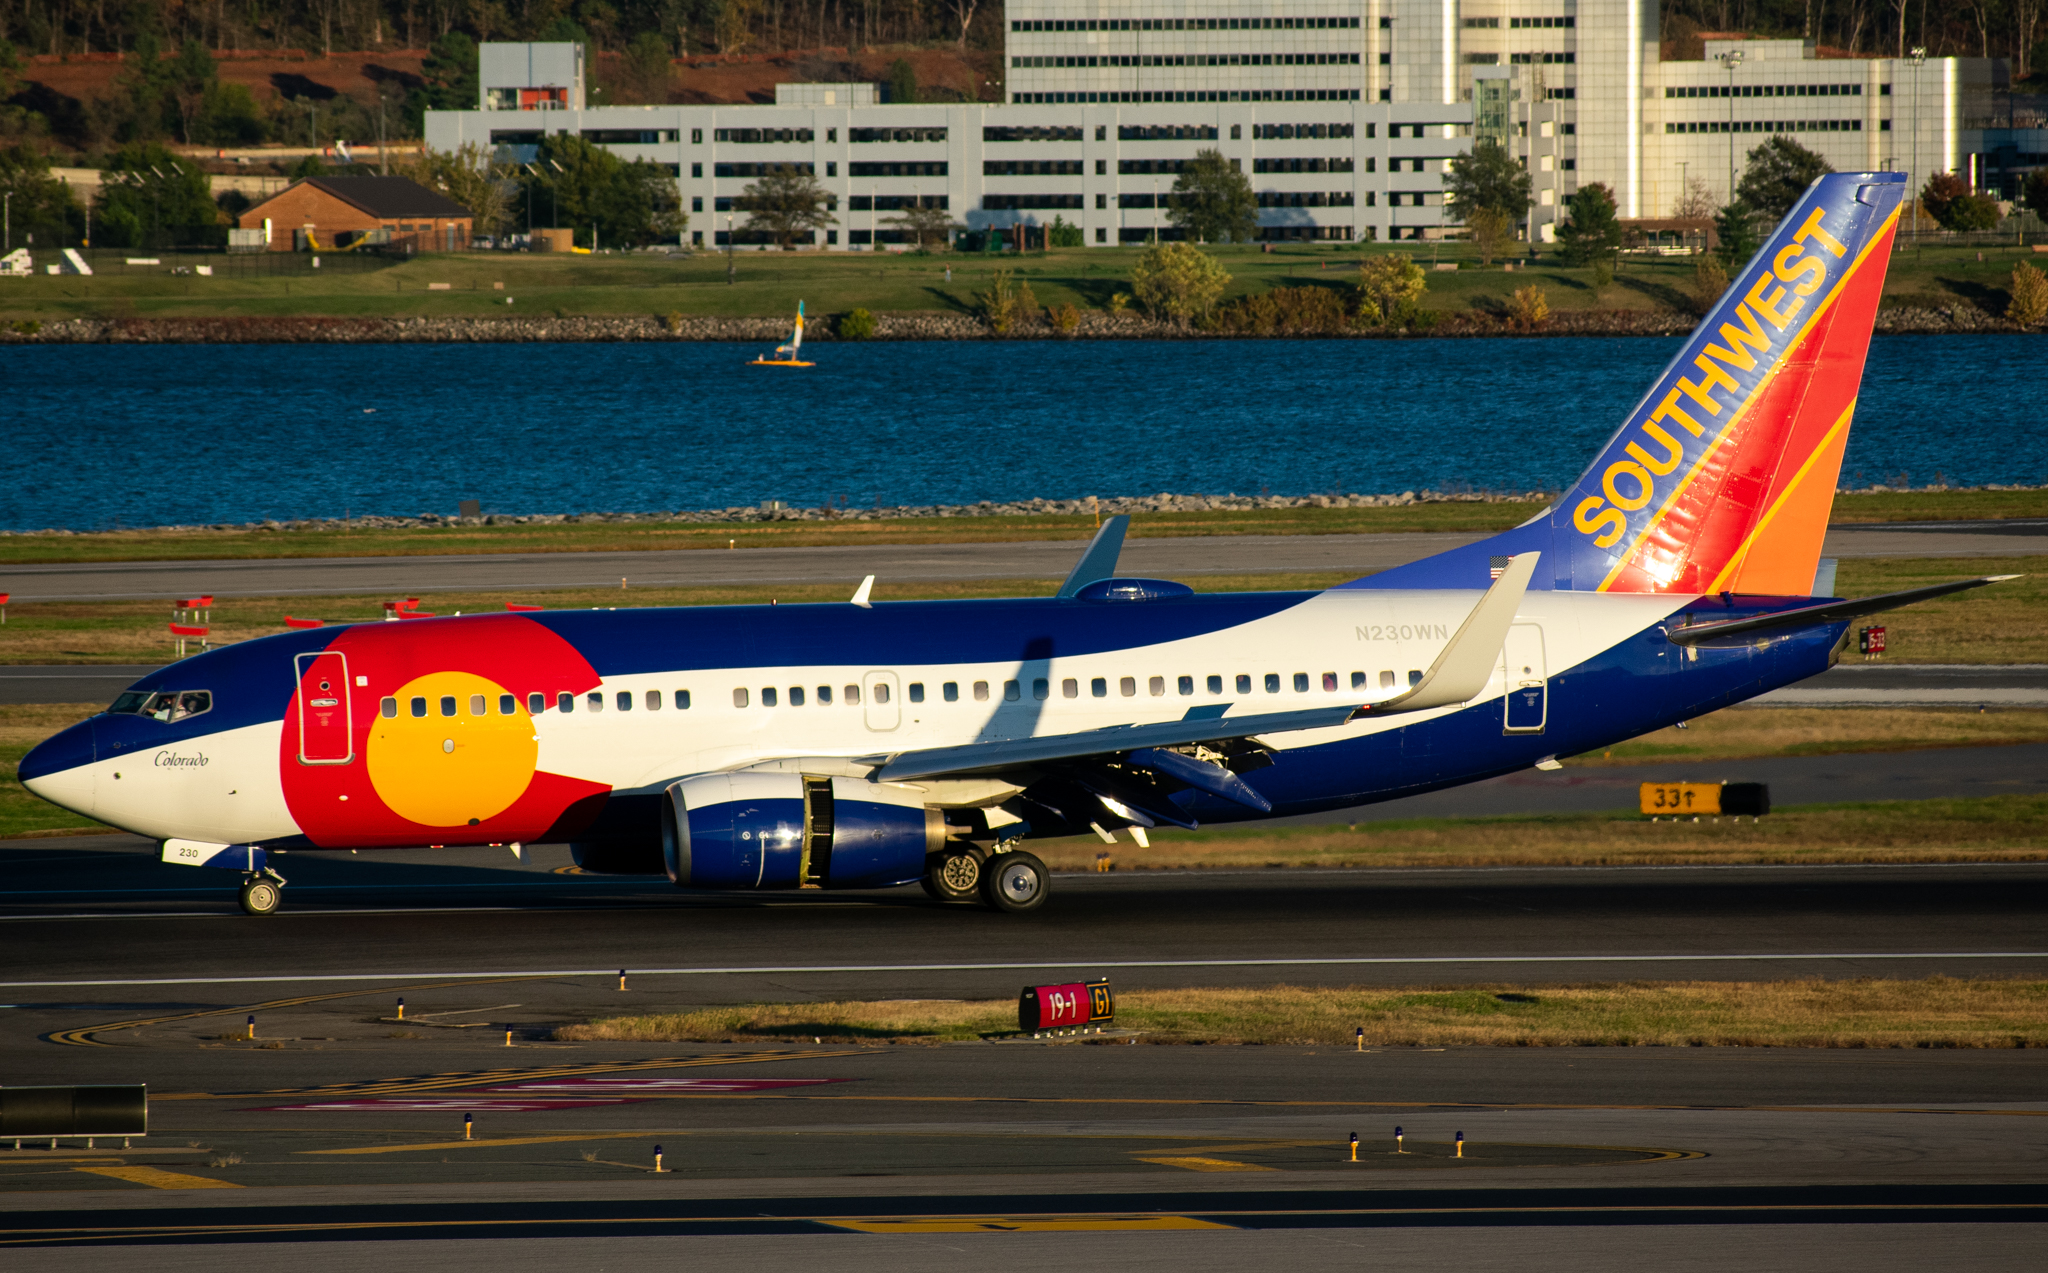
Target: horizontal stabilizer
<point>1806,616</point>
<point>1014,752</point>
<point>1466,665</point>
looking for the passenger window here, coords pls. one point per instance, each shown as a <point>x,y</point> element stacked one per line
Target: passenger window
<point>1127,686</point>
<point>1040,689</point>
<point>1272,682</point>
<point>852,696</point>
<point>682,700</point>
<point>824,696</point>
<point>767,696</point>
<point>796,696</point>
<point>1386,680</point>
<point>1358,680</point>
<point>1070,688</point>
<point>565,702</point>
<point>625,698</point>
<point>536,703</point>
<point>1186,685</point>
<point>654,700</point>
<point>477,706</point>
<point>388,708</point>
<point>981,691</point>
<point>1301,682</point>
<point>1099,687</point>
<point>594,700</point>
<point>950,691</point>
<point>917,691</point>
<point>739,697</point>
<point>447,705</point>
<point>507,705</point>
<point>1011,692</point>
<point>1330,681</point>
<point>1157,686</point>
<point>881,691</point>
<point>1414,677</point>
<point>1244,683</point>
<point>1215,685</point>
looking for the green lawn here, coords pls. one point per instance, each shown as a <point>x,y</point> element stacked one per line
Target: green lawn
<point>770,283</point>
<point>160,545</point>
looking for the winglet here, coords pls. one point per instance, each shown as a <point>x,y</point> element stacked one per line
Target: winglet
<point>1467,663</point>
<point>1099,562</point>
<point>860,594</point>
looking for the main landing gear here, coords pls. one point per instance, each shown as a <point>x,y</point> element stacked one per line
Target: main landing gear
<point>1007,880</point>
<point>262,893</point>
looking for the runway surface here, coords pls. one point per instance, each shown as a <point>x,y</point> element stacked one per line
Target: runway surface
<point>336,1137</point>
<point>1171,558</point>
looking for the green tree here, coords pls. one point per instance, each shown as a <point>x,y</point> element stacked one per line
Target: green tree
<point>789,204</point>
<point>186,80</point>
<point>1735,226</point>
<point>1489,179</point>
<point>902,83</point>
<point>581,185</point>
<point>308,166</point>
<point>467,176</point>
<point>1954,206</point>
<point>2035,193</point>
<point>229,116</point>
<point>643,73</point>
<point>928,224</point>
<point>1063,233</point>
<point>41,210</point>
<point>1593,231</point>
<point>149,199</point>
<point>1212,201</point>
<point>1390,290</point>
<point>1778,173</point>
<point>1178,281</point>
<point>450,74</point>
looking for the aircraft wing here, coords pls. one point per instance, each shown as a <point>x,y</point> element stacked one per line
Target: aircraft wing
<point>1200,725</point>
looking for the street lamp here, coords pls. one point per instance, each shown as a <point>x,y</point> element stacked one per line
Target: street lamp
<point>1731,60</point>
<point>1918,58</point>
<point>729,266</point>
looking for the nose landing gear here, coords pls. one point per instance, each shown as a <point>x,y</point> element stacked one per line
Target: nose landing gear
<point>262,892</point>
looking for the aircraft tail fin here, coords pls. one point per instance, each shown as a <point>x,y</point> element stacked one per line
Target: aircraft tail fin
<point>1722,478</point>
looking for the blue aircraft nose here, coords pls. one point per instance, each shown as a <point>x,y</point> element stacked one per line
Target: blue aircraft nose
<point>68,749</point>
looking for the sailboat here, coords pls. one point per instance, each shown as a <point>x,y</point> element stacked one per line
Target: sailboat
<point>788,355</point>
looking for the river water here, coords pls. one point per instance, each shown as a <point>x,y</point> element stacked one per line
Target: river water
<point>98,436</point>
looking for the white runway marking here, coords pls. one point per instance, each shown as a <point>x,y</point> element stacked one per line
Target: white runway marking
<point>1376,961</point>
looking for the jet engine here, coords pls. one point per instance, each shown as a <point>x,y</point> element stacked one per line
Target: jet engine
<point>786,830</point>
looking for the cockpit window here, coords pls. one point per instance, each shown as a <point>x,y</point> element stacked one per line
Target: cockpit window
<point>164,705</point>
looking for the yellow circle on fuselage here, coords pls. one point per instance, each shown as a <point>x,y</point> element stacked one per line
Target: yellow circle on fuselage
<point>447,770</point>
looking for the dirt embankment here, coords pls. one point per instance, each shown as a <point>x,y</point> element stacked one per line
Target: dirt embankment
<point>906,326</point>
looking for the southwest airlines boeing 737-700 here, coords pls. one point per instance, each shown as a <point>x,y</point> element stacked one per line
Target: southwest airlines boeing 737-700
<point>871,745</point>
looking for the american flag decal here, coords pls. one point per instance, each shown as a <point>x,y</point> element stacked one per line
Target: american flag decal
<point>1494,565</point>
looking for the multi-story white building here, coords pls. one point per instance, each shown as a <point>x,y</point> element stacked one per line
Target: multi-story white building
<point>1344,114</point>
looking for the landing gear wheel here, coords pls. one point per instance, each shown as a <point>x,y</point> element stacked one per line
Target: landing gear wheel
<point>954,876</point>
<point>261,897</point>
<point>1015,882</point>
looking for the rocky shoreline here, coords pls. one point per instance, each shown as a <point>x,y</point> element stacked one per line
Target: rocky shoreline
<point>932,325</point>
<point>776,511</point>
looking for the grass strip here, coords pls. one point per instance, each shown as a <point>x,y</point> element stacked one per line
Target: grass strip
<point>1934,1012</point>
<point>1995,625</point>
<point>638,536</point>
<point>834,282</point>
<point>2011,828</point>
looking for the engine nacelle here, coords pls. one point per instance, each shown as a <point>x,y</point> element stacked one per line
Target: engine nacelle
<point>784,830</point>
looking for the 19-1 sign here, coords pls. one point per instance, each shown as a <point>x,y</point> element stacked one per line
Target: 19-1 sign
<point>1053,1007</point>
